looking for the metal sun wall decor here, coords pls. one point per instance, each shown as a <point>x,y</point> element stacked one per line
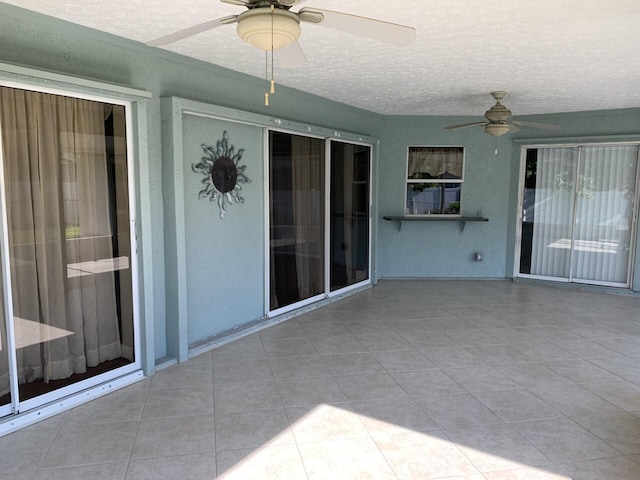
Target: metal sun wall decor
<point>223,174</point>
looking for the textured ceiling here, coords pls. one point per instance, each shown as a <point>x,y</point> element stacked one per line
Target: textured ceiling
<point>551,56</point>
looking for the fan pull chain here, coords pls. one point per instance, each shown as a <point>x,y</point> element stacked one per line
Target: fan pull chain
<point>272,82</point>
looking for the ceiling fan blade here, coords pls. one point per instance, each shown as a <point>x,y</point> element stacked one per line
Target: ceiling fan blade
<point>291,56</point>
<point>544,126</point>
<point>290,3</point>
<point>513,128</point>
<point>241,3</point>
<point>466,125</point>
<point>194,30</point>
<point>365,27</point>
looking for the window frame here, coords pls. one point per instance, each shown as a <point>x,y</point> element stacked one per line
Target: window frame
<point>441,182</point>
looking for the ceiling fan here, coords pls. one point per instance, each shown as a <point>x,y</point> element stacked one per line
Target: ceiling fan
<point>500,121</point>
<point>270,25</point>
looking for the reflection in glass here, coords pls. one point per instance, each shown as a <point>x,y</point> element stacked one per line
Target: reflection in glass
<point>5,387</point>
<point>349,211</point>
<point>296,212</point>
<point>69,242</point>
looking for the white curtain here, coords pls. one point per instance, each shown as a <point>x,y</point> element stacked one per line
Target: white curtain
<point>58,212</point>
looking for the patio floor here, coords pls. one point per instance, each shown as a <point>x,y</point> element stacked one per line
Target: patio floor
<point>457,380</point>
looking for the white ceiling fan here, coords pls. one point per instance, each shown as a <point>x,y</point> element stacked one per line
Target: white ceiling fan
<point>500,121</point>
<point>270,25</point>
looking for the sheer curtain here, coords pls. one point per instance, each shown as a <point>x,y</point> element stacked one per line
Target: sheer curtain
<point>308,213</point>
<point>58,212</point>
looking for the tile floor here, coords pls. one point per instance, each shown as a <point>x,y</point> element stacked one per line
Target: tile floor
<point>463,380</point>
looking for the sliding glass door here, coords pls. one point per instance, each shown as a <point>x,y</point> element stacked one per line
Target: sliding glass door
<point>296,214</point>
<point>318,227</point>
<point>68,312</point>
<point>578,213</point>
<point>349,214</point>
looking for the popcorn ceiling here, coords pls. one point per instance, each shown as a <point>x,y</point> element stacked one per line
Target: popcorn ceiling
<point>551,56</point>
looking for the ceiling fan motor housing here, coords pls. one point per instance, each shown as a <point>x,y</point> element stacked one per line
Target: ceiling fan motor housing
<point>268,29</point>
<point>498,114</point>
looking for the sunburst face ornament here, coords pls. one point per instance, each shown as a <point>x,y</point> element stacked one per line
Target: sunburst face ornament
<point>223,174</point>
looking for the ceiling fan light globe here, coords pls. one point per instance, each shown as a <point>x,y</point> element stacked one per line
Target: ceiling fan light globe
<point>496,130</point>
<point>267,30</point>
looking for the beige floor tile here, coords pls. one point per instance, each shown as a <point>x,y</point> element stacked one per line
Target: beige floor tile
<point>452,357</point>
<point>370,386</point>
<point>335,344</point>
<point>119,406</point>
<point>415,455</point>
<point>288,347</point>
<point>496,448</point>
<point>309,391</point>
<point>241,349</point>
<point>542,351</point>
<point>325,329</point>
<point>249,396</point>
<point>563,440</point>
<point>581,371</point>
<point>471,336</point>
<point>423,383</point>
<point>620,430</point>
<point>480,379</point>
<point>179,402</point>
<point>528,473</point>
<point>182,375</point>
<point>352,363</point>
<point>324,423</point>
<point>236,431</point>
<point>402,361</point>
<point>573,400</point>
<point>25,449</point>
<point>618,468</point>
<point>174,436</point>
<point>200,466</point>
<point>623,394</point>
<point>104,471</point>
<point>421,339</point>
<point>297,367</point>
<point>244,370</point>
<point>457,410</point>
<point>393,415</point>
<point>499,354</point>
<point>281,462</point>
<point>383,342</point>
<point>90,444</point>
<point>517,405</point>
<point>345,458</point>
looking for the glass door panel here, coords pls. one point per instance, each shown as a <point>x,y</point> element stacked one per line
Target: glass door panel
<point>349,214</point>
<point>5,382</point>
<point>296,218</point>
<point>547,217</point>
<point>604,214</point>
<point>65,170</point>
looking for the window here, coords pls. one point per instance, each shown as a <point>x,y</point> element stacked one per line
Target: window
<point>434,180</point>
